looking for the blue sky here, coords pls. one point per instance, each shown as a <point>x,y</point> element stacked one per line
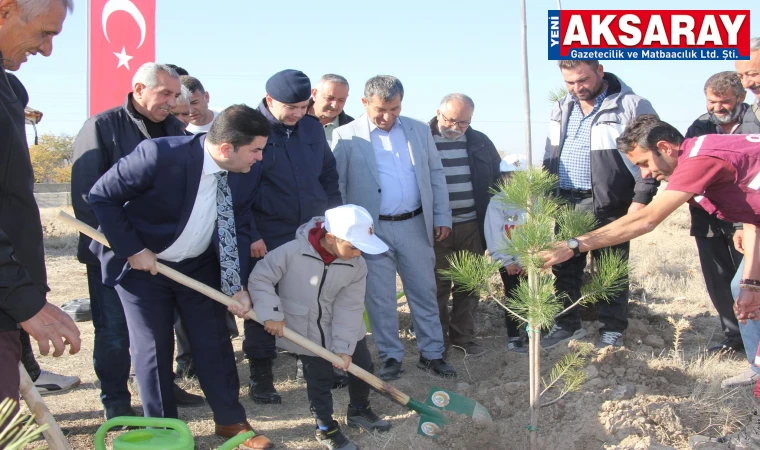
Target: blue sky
<point>434,48</point>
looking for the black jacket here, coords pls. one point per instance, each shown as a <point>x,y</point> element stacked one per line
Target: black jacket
<point>298,180</point>
<point>23,279</point>
<point>103,140</point>
<point>484,170</point>
<point>702,223</point>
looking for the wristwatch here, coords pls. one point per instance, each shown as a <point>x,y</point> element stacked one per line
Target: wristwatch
<point>574,245</point>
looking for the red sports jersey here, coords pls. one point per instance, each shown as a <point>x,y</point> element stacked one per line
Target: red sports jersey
<point>723,171</point>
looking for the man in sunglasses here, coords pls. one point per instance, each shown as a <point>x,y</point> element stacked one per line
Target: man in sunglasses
<point>471,164</point>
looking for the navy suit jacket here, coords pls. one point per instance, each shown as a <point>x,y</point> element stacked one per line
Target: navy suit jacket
<point>145,201</point>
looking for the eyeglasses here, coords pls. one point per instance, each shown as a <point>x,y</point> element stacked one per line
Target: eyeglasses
<point>458,123</point>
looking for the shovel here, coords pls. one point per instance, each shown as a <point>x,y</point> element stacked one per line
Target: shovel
<point>432,418</point>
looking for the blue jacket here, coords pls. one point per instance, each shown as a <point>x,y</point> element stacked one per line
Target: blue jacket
<point>145,201</point>
<point>298,180</point>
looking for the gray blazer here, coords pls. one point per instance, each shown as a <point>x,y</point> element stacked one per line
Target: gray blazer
<point>357,170</point>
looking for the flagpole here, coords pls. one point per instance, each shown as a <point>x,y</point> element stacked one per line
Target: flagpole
<point>526,84</point>
<point>89,25</point>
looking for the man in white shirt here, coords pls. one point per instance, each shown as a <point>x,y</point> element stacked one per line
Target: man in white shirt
<point>389,164</point>
<point>201,117</point>
<point>187,201</point>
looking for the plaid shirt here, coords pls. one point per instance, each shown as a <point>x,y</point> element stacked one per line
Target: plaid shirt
<point>575,157</point>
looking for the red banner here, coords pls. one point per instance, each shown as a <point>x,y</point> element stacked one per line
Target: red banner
<point>122,37</point>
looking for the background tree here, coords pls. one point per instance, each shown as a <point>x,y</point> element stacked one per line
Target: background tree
<point>52,157</point>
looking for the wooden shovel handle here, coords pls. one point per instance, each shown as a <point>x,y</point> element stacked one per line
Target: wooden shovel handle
<point>53,434</point>
<point>227,301</point>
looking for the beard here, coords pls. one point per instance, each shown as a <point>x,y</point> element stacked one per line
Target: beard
<point>727,116</point>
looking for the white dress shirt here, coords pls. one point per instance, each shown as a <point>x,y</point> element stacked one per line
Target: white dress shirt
<point>196,237</point>
<point>398,182</point>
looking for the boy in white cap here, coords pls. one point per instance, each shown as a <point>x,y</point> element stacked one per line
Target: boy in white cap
<point>501,219</point>
<point>321,278</point>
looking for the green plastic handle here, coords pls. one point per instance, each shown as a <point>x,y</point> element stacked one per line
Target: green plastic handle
<point>141,422</point>
<point>237,440</point>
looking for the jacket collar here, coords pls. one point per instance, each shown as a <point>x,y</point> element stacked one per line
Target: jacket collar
<point>171,124</point>
<point>276,124</point>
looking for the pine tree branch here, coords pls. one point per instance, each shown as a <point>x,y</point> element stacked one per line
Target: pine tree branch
<point>561,396</point>
<point>508,310</point>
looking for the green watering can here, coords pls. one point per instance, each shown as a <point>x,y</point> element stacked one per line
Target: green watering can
<point>156,433</point>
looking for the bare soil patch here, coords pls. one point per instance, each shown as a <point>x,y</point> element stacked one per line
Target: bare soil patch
<point>645,395</point>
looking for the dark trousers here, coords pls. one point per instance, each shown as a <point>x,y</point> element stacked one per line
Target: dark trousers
<point>569,279</point>
<point>110,354</point>
<point>27,356</point>
<point>510,283</point>
<point>149,304</point>
<point>10,355</point>
<point>319,377</point>
<point>720,260</point>
<point>458,325</point>
<point>184,353</point>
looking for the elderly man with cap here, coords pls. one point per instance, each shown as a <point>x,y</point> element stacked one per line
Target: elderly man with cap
<point>298,181</point>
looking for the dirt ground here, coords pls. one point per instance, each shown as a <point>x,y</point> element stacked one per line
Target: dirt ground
<point>647,395</point>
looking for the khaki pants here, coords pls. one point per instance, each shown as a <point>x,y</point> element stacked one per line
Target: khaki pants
<point>459,324</point>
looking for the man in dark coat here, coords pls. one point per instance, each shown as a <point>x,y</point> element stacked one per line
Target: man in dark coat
<point>471,164</point>
<point>103,140</point>
<point>298,181</point>
<point>24,30</point>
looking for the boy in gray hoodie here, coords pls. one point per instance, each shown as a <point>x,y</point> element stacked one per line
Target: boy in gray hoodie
<point>501,219</point>
<point>320,279</point>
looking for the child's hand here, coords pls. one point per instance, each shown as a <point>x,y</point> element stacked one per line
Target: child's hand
<point>274,327</point>
<point>346,361</point>
<point>514,269</point>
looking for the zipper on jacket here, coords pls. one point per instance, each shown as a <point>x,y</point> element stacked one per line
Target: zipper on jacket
<point>288,131</point>
<point>319,304</point>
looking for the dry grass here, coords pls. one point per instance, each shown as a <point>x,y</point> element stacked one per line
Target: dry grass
<point>667,282</point>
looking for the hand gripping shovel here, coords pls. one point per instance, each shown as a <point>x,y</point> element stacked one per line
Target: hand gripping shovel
<point>431,414</point>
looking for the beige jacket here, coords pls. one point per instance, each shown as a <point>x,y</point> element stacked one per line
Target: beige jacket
<point>320,302</point>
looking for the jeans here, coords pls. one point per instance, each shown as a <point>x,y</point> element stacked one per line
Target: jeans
<point>751,331</point>
<point>110,355</point>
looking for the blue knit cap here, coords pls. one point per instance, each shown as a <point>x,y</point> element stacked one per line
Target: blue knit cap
<point>289,86</point>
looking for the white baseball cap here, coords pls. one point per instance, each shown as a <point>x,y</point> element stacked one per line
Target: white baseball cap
<point>512,162</point>
<point>353,223</point>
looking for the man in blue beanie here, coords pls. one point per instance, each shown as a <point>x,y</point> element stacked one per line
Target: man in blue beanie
<point>298,181</point>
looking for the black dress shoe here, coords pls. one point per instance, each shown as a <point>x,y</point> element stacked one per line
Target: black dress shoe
<point>728,345</point>
<point>120,410</point>
<point>391,370</point>
<point>184,399</point>
<point>438,366</point>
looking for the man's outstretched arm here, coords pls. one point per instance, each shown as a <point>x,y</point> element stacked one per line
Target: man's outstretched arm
<point>622,230</point>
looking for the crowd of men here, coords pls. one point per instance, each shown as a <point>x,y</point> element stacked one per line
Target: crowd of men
<point>426,185</point>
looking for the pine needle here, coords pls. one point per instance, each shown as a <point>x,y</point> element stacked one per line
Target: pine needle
<point>16,432</point>
<point>470,272</point>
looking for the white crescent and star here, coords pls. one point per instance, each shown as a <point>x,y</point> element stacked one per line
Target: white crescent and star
<point>127,6</point>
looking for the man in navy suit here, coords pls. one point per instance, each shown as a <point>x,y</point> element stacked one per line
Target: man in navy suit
<point>186,201</point>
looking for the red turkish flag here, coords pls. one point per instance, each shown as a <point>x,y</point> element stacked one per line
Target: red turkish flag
<point>122,37</point>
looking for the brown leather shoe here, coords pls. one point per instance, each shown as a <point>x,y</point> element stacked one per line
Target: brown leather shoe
<point>257,442</point>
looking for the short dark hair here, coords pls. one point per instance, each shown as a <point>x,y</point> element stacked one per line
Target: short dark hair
<point>180,71</point>
<point>192,84</point>
<point>645,131</point>
<point>573,63</point>
<point>723,83</point>
<point>238,125</point>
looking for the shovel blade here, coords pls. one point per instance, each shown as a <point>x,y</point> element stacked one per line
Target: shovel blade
<point>441,399</point>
